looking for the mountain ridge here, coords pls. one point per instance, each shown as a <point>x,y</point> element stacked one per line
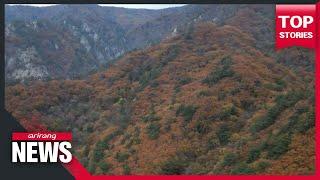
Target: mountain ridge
<point>98,35</point>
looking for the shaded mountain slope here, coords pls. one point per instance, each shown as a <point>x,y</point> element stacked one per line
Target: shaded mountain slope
<point>66,41</point>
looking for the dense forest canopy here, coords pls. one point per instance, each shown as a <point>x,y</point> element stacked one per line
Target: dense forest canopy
<point>212,98</point>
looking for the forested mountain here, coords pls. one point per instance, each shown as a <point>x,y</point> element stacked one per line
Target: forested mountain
<point>214,98</point>
<point>72,41</point>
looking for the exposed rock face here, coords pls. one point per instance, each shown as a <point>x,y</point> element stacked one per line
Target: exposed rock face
<point>26,65</point>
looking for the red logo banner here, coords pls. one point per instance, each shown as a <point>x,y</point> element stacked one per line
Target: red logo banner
<point>296,26</point>
<point>42,136</point>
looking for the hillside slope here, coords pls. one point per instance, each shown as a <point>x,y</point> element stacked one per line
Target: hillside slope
<point>207,101</point>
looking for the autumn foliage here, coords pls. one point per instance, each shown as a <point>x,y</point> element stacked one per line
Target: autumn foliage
<point>206,103</point>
